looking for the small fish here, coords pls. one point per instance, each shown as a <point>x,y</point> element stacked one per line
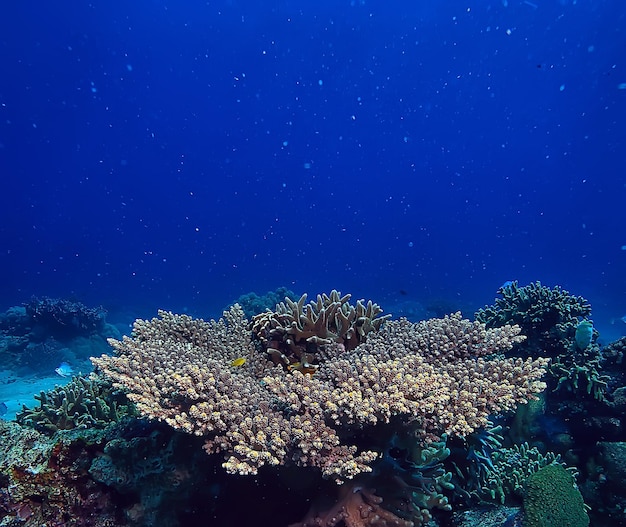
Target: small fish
<point>240,361</point>
<point>64,370</point>
<point>623,319</point>
<point>3,408</point>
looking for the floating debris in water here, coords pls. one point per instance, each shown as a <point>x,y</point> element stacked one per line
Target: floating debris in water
<point>64,370</point>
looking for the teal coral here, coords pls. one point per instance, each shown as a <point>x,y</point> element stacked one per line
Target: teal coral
<point>556,324</point>
<point>82,403</point>
<point>572,375</point>
<point>509,470</point>
<point>545,315</point>
<point>552,499</point>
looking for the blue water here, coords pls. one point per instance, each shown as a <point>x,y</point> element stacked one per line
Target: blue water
<point>179,154</point>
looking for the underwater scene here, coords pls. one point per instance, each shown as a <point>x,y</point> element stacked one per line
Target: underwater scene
<point>344,263</point>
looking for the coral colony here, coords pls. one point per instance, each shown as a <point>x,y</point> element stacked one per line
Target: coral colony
<point>316,375</point>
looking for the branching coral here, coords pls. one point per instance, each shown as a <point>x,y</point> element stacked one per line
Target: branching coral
<point>82,403</point>
<point>535,308</point>
<point>509,469</point>
<point>436,377</point>
<point>553,321</point>
<point>253,304</point>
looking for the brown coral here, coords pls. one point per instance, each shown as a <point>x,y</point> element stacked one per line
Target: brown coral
<point>296,332</point>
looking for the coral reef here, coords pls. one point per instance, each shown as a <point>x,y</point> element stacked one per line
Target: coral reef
<point>65,318</point>
<point>437,376</point>
<point>401,417</point>
<point>157,469</point>
<point>129,474</point>
<point>36,337</point>
<point>82,403</point>
<point>46,483</point>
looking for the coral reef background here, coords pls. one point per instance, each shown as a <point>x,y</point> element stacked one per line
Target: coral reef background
<point>440,422</point>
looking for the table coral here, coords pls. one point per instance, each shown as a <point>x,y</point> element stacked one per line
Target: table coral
<point>437,376</point>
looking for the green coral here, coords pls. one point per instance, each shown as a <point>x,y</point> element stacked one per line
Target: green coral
<point>81,404</point>
<point>552,499</point>
<point>572,375</point>
<point>547,316</point>
<point>428,478</point>
<point>509,470</point>
<point>556,324</point>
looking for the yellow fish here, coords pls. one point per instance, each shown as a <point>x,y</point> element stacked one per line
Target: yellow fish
<point>238,362</point>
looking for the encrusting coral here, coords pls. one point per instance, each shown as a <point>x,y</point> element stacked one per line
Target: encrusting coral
<point>432,378</point>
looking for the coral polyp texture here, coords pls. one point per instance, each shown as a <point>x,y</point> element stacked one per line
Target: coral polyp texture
<point>422,380</point>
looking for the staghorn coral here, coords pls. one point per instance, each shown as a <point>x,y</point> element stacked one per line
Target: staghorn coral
<point>431,378</point>
<point>82,403</point>
<point>296,332</point>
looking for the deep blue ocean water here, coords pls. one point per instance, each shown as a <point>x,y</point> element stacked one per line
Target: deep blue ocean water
<point>178,154</point>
